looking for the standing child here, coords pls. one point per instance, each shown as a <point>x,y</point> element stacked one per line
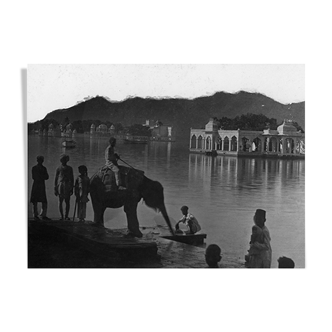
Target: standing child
<point>38,192</point>
<point>63,185</point>
<point>82,188</point>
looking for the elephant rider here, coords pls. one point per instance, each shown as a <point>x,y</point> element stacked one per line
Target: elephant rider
<point>112,162</point>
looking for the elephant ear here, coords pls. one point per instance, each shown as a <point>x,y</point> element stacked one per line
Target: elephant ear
<point>132,178</point>
<point>152,193</point>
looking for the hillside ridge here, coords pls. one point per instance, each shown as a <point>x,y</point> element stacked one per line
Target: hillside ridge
<point>181,113</point>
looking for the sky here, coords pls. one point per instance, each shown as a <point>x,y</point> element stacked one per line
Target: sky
<point>52,87</point>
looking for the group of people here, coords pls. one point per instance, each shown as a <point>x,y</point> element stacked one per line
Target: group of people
<point>260,251</point>
<point>64,185</point>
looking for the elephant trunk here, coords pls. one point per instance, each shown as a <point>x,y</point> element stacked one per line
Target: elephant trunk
<point>153,196</point>
<point>163,211</point>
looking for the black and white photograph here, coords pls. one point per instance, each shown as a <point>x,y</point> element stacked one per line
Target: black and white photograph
<point>166,166</point>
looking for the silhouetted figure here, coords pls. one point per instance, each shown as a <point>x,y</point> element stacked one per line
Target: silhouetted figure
<point>38,191</point>
<point>255,258</point>
<point>213,255</point>
<point>111,159</point>
<point>63,185</point>
<point>285,262</point>
<point>265,250</point>
<point>82,188</point>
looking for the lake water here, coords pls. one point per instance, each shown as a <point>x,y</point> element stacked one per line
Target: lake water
<point>222,192</point>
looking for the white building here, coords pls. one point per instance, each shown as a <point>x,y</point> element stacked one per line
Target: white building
<point>285,141</point>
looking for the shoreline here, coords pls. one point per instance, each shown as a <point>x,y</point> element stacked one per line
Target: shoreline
<point>71,244</point>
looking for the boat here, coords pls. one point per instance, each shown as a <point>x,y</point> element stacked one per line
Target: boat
<point>193,239</point>
<point>136,139</point>
<point>68,144</point>
<point>162,139</point>
<point>212,153</point>
<point>179,236</point>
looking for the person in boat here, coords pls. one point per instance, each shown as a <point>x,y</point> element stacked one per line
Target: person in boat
<point>285,262</point>
<point>82,188</point>
<point>254,258</point>
<point>264,249</point>
<point>38,191</point>
<point>111,159</point>
<point>189,220</point>
<point>63,185</point>
<point>213,255</point>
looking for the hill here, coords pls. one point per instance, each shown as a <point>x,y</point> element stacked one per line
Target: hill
<point>181,113</point>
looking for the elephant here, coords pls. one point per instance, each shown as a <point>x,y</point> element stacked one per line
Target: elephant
<point>104,195</point>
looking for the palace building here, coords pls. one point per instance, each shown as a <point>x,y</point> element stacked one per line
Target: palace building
<point>286,141</point>
<point>160,132</point>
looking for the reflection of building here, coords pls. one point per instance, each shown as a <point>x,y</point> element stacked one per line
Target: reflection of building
<point>285,141</point>
<point>162,133</point>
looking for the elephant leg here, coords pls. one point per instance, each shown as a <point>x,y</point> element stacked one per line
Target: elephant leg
<point>99,216</point>
<point>102,215</point>
<point>132,221</point>
<point>98,210</point>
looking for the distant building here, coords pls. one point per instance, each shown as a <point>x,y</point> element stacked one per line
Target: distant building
<point>102,130</point>
<point>53,131</point>
<point>57,131</point>
<point>161,132</point>
<point>111,130</point>
<point>50,131</point>
<point>68,130</point>
<point>149,123</point>
<point>285,141</point>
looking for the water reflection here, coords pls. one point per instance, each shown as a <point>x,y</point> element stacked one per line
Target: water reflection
<point>160,150</point>
<point>232,188</point>
<point>242,172</point>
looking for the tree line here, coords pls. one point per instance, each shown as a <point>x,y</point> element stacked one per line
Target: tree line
<point>249,121</point>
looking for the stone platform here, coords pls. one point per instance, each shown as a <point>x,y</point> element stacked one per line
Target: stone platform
<point>68,244</point>
<point>75,244</point>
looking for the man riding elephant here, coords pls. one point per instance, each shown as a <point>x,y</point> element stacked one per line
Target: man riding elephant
<point>138,187</point>
<point>112,162</point>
